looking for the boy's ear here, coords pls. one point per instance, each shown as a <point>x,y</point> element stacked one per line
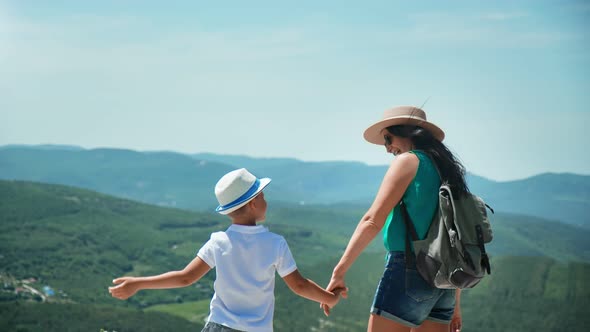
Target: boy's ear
<point>252,204</point>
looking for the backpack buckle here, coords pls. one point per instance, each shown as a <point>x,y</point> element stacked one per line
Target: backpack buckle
<point>453,237</point>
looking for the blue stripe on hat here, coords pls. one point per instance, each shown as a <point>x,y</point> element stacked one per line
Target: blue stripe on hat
<point>242,198</point>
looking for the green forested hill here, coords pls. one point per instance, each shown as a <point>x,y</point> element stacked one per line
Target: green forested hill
<point>522,294</point>
<point>67,317</point>
<point>525,294</point>
<point>73,238</point>
<point>76,241</point>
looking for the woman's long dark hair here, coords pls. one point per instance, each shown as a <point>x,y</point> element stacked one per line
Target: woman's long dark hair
<point>451,169</point>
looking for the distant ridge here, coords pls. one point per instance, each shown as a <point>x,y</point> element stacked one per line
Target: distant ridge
<point>42,147</point>
<point>175,179</point>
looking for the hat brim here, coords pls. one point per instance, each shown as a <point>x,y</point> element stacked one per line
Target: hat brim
<point>263,183</point>
<point>374,134</point>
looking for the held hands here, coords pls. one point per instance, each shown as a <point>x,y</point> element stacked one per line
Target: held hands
<point>338,287</point>
<point>125,289</point>
<point>338,292</point>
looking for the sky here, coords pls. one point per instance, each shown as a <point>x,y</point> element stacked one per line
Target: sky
<point>508,81</point>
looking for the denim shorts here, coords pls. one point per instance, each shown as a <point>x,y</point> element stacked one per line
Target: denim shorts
<point>214,327</point>
<point>403,295</point>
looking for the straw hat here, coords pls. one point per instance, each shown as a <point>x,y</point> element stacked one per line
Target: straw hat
<point>402,115</point>
<point>236,188</point>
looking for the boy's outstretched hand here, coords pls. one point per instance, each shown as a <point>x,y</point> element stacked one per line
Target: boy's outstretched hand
<point>338,292</point>
<point>125,288</point>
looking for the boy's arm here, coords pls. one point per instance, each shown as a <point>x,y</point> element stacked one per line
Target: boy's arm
<point>310,290</point>
<point>128,286</point>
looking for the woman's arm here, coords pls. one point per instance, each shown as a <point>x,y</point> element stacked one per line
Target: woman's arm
<point>128,286</point>
<point>457,320</point>
<point>399,175</point>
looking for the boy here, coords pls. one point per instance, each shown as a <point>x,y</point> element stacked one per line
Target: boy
<point>246,256</point>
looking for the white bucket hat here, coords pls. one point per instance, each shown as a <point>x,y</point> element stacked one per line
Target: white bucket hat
<point>401,115</point>
<point>237,188</point>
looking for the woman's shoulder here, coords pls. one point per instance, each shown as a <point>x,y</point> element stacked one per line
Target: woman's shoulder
<point>404,164</point>
<point>422,156</point>
<point>407,159</point>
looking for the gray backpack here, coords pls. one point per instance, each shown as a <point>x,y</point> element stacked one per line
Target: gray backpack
<point>453,254</point>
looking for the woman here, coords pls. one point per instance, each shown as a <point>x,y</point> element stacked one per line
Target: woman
<point>403,300</point>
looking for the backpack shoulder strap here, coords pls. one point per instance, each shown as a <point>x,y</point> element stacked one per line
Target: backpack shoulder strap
<point>410,234</point>
<point>410,228</point>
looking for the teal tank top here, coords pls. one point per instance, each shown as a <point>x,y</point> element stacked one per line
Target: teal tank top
<point>421,199</point>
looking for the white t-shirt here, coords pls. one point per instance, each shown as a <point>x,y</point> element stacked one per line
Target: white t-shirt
<point>246,258</point>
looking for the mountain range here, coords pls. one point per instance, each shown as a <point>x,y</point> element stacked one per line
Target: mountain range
<point>187,181</point>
